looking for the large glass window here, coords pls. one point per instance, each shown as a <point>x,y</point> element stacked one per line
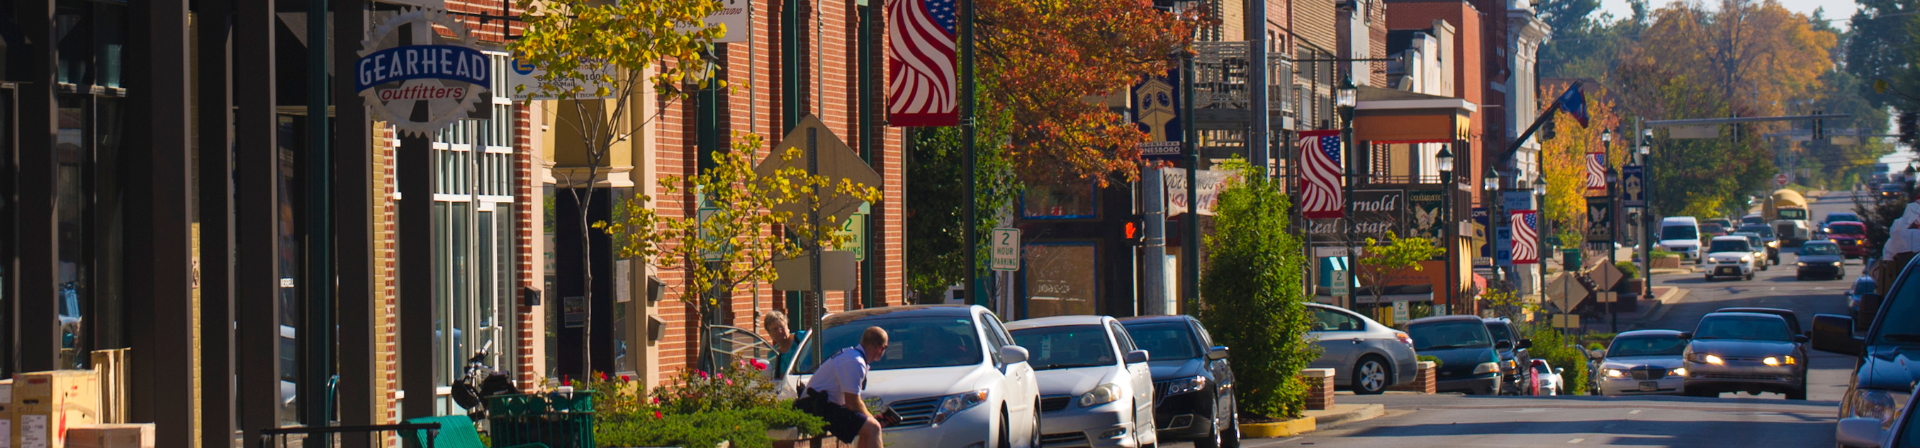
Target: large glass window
<point>474,243</point>
<point>1060,278</point>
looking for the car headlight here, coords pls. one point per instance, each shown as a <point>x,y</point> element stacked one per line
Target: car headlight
<point>1801,264</point>
<point>953,404</point>
<point>1836,263</point>
<point>1746,259</point>
<point>1104,394</point>
<point>1709,359</point>
<point>1875,404</point>
<point>1184,385</point>
<point>1615,373</point>
<point>1771,361</point>
<point>1678,371</point>
<point>1486,368</point>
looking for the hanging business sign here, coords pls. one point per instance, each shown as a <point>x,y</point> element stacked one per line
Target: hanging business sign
<point>736,16</point>
<point>1376,212</point>
<point>1156,109</point>
<point>1600,221</point>
<point>420,81</point>
<point>1483,251</point>
<point>1633,188</point>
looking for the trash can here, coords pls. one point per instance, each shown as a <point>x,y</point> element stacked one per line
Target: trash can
<point>1570,259</point>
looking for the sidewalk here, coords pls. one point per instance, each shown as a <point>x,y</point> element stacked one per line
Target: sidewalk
<point>1651,310</point>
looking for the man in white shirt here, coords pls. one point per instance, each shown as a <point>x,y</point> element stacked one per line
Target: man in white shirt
<point>833,393</point>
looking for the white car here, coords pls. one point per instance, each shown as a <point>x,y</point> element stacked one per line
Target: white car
<point>1550,381</point>
<point>1731,256</point>
<point>1681,235</point>
<point>1095,386</point>
<point>952,373</point>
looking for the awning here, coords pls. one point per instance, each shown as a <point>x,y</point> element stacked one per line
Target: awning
<point>1394,116</point>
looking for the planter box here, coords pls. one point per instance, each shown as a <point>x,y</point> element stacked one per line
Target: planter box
<point>1424,382</point>
<point>1666,262</point>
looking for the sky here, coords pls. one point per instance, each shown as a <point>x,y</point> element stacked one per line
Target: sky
<point>1835,9</point>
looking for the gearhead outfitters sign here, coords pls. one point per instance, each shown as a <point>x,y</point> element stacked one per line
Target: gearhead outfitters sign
<point>418,80</point>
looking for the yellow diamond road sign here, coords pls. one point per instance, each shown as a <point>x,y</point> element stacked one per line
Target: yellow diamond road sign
<point>836,161</point>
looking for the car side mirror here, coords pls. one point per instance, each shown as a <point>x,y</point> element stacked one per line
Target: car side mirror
<point>1136,356</point>
<point>1524,344</point>
<point>1859,432</point>
<point>1217,352</point>
<point>1598,353</point>
<point>1503,345</point>
<point>1834,334</point>
<point>1559,370</point>
<point>1686,335</point>
<point>1013,354</point>
<point>1801,339</point>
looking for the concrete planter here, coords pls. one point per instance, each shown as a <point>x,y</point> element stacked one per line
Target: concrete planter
<point>1666,262</point>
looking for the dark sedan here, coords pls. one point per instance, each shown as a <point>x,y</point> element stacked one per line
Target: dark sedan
<point>1192,383</point>
<point>1468,362</point>
<point>1850,235</point>
<point>1750,352</point>
<point>1821,259</point>
<point>1888,364</point>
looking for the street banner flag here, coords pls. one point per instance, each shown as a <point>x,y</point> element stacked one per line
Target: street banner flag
<point>1526,237</point>
<point>1320,196</point>
<point>922,65</point>
<point>1596,173</point>
<point>1574,103</point>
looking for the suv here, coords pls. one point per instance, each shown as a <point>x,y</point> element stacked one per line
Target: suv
<point>1730,256</point>
<point>1681,235</point>
<point>1513,357</point>
<point>1759,248</point>
<point>1850,235</point>
<point>1193,394</point>
<point>953,374</point>
<point>1766,238</point>
<point>1888,356</point>
<point>1468,361</point>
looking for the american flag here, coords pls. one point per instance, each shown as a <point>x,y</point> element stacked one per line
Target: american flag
<point>1320,196</point>
<point>1526,225</point>
<point>922,65</point>
<point>1596,173</point>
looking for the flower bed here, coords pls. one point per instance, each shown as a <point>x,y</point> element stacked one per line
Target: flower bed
<point>735,405</point>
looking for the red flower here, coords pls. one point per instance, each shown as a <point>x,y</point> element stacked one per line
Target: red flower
<point>759,365</point>
<point>703,374</point>
<point>565,382</point>
<point>626,378</point>
<point>729,382</point>
<point>657,416</point>
<point>656,400</point>
<point>603,376</point>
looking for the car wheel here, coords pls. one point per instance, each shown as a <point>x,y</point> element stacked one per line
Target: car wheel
<point>1035,443</point>
<point>1212,439</point>
<point>1006,430</point>
<point>1370,376</point>
<point>1749,276</point>
<point>1763,266</point>
<point>1231,437</point>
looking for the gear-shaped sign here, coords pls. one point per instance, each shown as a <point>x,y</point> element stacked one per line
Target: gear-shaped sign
<point>429,82</point>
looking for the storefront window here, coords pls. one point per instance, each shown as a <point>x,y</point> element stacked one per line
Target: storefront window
<point>71,147</point>
<point>1060,278</point>
<point>1058,202</point>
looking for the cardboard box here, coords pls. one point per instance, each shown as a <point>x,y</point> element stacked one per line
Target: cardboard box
<point>113,435</point>
<point>47,403</point>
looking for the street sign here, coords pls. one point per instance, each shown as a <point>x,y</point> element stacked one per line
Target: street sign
<point>836,162</point>
<point>1503,246</point>
<point>1340,282</point>
<point>1607,297</point>
<point>1633,190</point>
<point>1566,293</point>
<point>1781,180</point>
<point>1400,312</point>
<point>1566,321</point>
<point>1606,276</point>
<point>1600,221</point>
<point>1006,249</point>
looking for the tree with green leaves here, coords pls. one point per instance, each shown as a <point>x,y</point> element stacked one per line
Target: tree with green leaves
<point>1253,296</point>
<point>1380,261</point>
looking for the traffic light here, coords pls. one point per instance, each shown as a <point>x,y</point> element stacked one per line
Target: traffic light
<point>1819,128</point>
<point>1909,123</point>
<point>1546,129</point>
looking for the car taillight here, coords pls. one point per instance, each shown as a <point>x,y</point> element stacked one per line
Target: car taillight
<point>1404,339</point>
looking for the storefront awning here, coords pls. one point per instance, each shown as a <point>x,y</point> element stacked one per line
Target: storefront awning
<point>1395,116</point>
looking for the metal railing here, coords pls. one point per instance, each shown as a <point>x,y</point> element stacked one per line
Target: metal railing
<point>298,436</point>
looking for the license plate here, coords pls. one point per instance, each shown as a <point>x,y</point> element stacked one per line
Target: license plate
<point>1729,270</point>
<point>1649,386</point>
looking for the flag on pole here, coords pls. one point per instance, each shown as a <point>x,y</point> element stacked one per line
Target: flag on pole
<point>1574,103</point>
<point>923,63</point>
<point>1596,173</point>
<point>1526,237</point>
<point>1320,195</point>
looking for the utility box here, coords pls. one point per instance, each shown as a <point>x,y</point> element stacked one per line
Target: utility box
<point>46,403</point>
<point>119,435</point>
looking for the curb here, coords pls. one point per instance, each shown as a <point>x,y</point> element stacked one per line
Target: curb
<point>1364,412</point>
<point>1288,428</point>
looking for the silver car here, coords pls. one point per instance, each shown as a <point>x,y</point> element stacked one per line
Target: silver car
<point>1095,386</point>
<point>1364,355</point>
<point>1751,352</point>
<point>1644,362</point>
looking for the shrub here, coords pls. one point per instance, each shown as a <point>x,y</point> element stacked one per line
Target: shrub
<point>1628,270</point>
<point>1563,351</point>
<point>695,408</point>
<point>1434,360</point>
<point>743,428</point>
<point>1253,299</point>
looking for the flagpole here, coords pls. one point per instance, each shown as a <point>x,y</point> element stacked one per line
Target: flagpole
<point>969,232</point>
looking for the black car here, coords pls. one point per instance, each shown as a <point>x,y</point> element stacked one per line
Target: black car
<point>1793,320</point>
<point>1888,356</point>
<point>1858,307</point>
<point>1893,191</point>
<point>1821,259</point>
<point>1192,382</point>
<point>1468,360</point>
<point>1767,238</point>
<point>1513,355</point>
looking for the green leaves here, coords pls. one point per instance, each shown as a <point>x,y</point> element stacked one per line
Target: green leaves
<point>1253,300</point>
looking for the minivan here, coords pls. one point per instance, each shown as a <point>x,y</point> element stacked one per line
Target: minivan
<point>1681,235</point>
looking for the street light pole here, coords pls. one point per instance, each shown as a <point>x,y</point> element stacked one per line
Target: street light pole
<point>1445,159</point>
<point>1613,306</point>
<point>1346,98</point>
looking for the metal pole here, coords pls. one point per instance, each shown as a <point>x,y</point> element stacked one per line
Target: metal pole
<point>1257,57</point>
<point>1613,235</point>
<point>1190,243</point>
<point>1349,165</point>
<point>968,135</point>
<point>1447,232</point>
<point>1646,211</point>
<point>813,257</point>
<point>1153,199</point>
<point>318,337</point>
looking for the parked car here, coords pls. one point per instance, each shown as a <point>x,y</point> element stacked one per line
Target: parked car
<point>1838,217</point>
<point>1468,361</point>
<point>952,373</point>
<point>1724,223</point>
<point>1515,367</point>
<point>1872,433</point>
<point>1759,248</point>
<point>1751,352</point>
<point>1192,382</point>
<point>1644,362</point>
<point>1888,354</point>
<point>1820,259</point>
<point>1730,256</point>
<point>1851,236</point>
<point>1858,307</point>
<point>1767,238</point>
<point>1681,235</point>
<point>1095,386</point>
<point>1365,356</point>
<point>1550,382</point>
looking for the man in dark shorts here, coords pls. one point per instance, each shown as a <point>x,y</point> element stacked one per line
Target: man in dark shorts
<point>833,394</point>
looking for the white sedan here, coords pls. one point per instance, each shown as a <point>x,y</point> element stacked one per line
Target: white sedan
<point>1095,387</point>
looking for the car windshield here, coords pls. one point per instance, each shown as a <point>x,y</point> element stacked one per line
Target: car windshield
<point>1787,213</point>
<point>1752,328</point>
<point>1819,249</point>
<point>1647,346</point>
<point>1903,302</point>
<point>1831,217</point>
<point>1499,332</point>
<point>1847,229</point>
<point>1711,228</point>
<point>1066,346</point>
<point>1758,229</point>
<point>1729,246</point>
<point>912,343</point>
<point>1679,233</point>
<point>1449,335</point>
<point>1164,340</point>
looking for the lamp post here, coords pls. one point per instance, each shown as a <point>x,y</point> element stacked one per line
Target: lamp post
<point>1445,159</point>
<point>1346,97</point>
<point>1613,232</point>
<point>1646,194</point>
<point>1490,188</point>
<point>1540,202</point>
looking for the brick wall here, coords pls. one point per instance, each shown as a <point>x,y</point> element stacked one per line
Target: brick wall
<point>1314,21</point>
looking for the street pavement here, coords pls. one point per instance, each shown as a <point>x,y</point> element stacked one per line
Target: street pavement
<point>1733,420</point>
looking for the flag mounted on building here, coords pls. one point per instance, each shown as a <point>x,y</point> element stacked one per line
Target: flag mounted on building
<point>1574,103</point>
<point>1596,174</point>
<point>922,64</point>
<point>1320,194</point>
<point>1526,237</point>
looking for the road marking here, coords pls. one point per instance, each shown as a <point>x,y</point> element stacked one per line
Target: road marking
<point>1635,411</point>
<point>1574,441</point>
